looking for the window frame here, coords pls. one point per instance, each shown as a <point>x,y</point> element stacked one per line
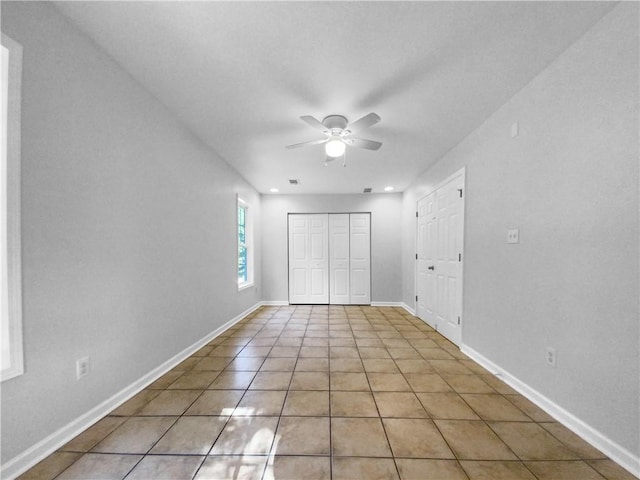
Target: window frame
<point>11,265</point>
<point>248,243</point>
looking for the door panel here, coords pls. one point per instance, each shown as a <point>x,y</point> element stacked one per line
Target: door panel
<point>425,282</point>
<point>340,285</point>
<point>298,233</point>
<point>448,265</point>
<point>299,246</point>
<point>299,281</point>
<point>339,259</point>
<point>308,259</point>
<point>359,283</point>
<point>318,277</point>
<point>318,246</point>
<point>360,258</point>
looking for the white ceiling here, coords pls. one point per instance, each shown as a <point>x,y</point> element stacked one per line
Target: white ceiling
<point>240,74</point>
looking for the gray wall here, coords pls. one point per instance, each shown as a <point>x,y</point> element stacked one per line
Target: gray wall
<point>569,182</point>
<point>128,234</point>
<point>386,237</point>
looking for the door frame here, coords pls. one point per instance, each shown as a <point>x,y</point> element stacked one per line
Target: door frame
<point>462,174</point>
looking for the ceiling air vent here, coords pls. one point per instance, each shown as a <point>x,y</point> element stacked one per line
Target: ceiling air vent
<point>293,181</point>
<point>367,190</point>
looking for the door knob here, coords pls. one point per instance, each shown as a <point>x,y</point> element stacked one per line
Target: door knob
<point>431,267</point>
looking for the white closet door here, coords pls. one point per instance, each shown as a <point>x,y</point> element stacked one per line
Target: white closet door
<point>339,259</point>
<point>319,258</point>
<point>308,259</point>
<point>360,258</point>
<point>298,258</point>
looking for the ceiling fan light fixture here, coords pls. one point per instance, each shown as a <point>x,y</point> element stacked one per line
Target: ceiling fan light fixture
<point>335,147</point>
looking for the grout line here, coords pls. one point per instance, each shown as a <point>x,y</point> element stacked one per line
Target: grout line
<point>384,430</point>
<point>330,416</point>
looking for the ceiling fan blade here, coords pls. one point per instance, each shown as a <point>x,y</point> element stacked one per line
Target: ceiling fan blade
<point>304,144</point>
<point>362,143</point>
<point>365,122</point>
<point>314,123</point>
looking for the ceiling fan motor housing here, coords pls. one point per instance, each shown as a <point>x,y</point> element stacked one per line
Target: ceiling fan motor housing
<point>337,122</point>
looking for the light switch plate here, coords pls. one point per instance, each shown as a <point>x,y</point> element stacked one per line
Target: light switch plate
<point>515,129</point>
<point>513,235</point>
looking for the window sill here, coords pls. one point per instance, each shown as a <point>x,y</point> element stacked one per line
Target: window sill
<point>244,286</point>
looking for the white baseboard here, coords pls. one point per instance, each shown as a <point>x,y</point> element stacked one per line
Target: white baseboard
<point>394,304</point>
<point>617,453</point>
<point>279,303</point>
<point>408,309</point>
<point>386,304</point>
<point>36,453</point>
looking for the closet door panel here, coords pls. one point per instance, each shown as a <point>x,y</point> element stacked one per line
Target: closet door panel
<point>308,259</point>
<point>360,258</point>
<point>339,258</point>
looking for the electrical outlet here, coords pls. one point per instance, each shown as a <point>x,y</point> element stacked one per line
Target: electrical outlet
<point>82,367</point>
<point>550,356</point>
<point>513,235</point>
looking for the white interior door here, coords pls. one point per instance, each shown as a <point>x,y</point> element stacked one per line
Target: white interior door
<point>309,259</point>
<point>360,258</point>
<point>339,259</point>
<point>439,263</point>
<point>448,267</point>
<point>425,257</point>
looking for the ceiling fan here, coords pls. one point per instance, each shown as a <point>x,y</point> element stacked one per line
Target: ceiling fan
<point>338,133</point>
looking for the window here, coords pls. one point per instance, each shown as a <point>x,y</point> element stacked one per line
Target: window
<point>11,361</point>
<point>245,250</point>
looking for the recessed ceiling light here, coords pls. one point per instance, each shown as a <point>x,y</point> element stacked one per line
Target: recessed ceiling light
<point>388,189</point>
<point>274,190</point>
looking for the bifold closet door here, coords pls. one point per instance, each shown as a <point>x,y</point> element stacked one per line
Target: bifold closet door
<point>309,259</point>
<point>360,258</point>
<point>330,258</point>
<point>339,259</point>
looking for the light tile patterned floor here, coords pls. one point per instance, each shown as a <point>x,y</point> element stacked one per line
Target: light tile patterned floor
<point>328,393</point>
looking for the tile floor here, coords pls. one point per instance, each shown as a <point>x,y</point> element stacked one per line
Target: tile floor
<point>327,393</point>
